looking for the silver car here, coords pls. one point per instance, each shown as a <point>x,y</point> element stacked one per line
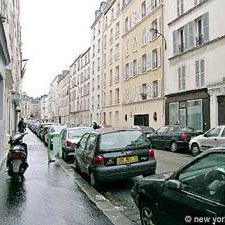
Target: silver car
<point>214,137</point>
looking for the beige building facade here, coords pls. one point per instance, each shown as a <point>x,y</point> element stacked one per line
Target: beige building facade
<point>142,64</point>
<point>112,65</point>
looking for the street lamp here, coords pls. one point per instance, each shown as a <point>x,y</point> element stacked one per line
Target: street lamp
<point>153,30</point>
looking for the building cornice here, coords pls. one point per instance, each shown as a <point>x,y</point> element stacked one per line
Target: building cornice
<point>109,5</point>
<point>187,12</point>
<point>197,47</point>
<point>186,92</point>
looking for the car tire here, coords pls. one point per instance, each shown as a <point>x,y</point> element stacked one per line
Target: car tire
<point>76,165</point>
<point>173,147</point>
<point>195,150</point>
<point>94,183</point>
<point>147,214</point>
<point>64,155</point>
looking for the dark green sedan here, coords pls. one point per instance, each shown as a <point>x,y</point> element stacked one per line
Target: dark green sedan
<point>173,137</point>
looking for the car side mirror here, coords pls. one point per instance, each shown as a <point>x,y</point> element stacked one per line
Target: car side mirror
<point>173,184</point>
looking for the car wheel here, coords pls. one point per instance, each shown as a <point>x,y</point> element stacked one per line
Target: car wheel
<point>195,149</point>
<point>64,155</point>
<point>173,147</point>
<point>76,165</point>
<point>93,181</point>
<point>147,214</point>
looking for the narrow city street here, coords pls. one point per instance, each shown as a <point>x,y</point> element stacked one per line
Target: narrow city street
<point>47,195</point>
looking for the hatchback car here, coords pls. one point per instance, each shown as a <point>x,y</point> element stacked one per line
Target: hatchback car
<point>173,137</point>
<point>116,154</point>
<point>70,137</point>
<point>215,137</point>
<point>194,191</point>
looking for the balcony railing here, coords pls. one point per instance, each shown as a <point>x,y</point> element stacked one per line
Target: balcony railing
<point>199,40</point>
<point>181,47</point>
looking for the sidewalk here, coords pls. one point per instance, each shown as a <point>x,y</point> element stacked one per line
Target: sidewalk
<point>47,196</point>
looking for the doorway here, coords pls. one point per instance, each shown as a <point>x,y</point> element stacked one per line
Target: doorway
<point>141,120</point>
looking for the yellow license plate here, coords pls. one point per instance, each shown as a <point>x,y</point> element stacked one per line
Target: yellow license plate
<point>125,160</point>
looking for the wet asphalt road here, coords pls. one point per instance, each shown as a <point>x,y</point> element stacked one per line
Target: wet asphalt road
<point>47,196</point>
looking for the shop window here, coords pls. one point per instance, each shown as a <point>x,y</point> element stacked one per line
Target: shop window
<point>173,113</point>
<point>194,114</point>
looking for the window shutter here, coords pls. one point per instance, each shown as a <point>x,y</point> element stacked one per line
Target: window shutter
<point>197,73</point>
<point>159,25</point>
<point>159,51</point>
<point>178,7</point>
<point>131,69</point>
<point>202,69</point>
<point>179,78</point>
<point>191,34</point>
<point>148,7</point>
<point>148,91</point>
<point>159,88</point>
<point>150,34</point>
<point>186,36</point>
<point>148,61</point>
<point>183,77</point>
<point>175,42</point>
<point>139,92</point>
<point>140,65</point>
<point>205,18</point>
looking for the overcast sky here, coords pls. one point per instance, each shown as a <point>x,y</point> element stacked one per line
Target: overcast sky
<point>54,33</point>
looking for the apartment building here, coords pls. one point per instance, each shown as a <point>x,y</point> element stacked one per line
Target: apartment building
<point>44,108</point>
<point>96,65</point>
<point>63,101</point>
<point>53,97</point>
<point>81,78</point>
<point>10,68</point>
<point>112,64</point>
<point>195,82</point>
<point>143,49</point>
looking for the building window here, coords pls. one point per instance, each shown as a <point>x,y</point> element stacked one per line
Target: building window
<point>126,25</point>
<point>135,43</point>
<point>174,113</point>
<point>117,93</point>
<point>98,104</point>
<point>155,27</point>
<point>110,77</point>
<point>200,73</point>
<point>127,47</point>
<point>117,30</point>
<point>111,56</point>
<point>134,67</point>
<point>93,51</point>
<point>154,58</point>
<point>155,88</point>
<point>194,114</point>
<point>181,78</point>
<point>144,36</point>
<point>99,45</point>
<point>144,63</point>
<point>117,51</point>
<point>127,71</point>
<point>112,15</point>
<point>181,40</point>
<point>153,4</point>
<point>143,9</point>
<point>110,97</point>
<point>117,74</point>
<point>144,92</point>
<point>202,29</point>
<point>180,7</point>
<point>111,36</point>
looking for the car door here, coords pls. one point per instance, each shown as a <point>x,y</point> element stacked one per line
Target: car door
<point>195,199</point>
<point>210,138</point>
<point>160,138</point>
<point>79,152</point>
<point>221,138</point>
<point>89,152</point>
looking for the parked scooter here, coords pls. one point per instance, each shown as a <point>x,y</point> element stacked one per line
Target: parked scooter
<point>17,157</point>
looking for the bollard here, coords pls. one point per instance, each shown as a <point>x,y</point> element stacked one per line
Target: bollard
<point>49,149</point>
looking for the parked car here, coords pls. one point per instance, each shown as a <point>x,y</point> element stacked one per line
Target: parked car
<point>195,190</point>
<point>173,137</point>
<point>40,128</point>
<point>70,137</point>
<point>147,130</point>
<point>112,155</point>
<point>214,137</point>
<point>53,129</point>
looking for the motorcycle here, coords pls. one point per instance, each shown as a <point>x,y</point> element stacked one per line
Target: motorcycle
<point>17,157</point>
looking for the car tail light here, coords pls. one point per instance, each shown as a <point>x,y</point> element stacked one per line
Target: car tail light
<point>69,144</point>
<point>16,155</point>
<point>99,160</point>
<point>183,137</point>
<point>151,153</point>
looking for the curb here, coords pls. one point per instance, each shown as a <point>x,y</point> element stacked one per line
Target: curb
<point>110,211</point>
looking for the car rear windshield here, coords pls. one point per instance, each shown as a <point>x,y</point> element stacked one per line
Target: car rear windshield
<point>123,140</point>
<point>183,129</point>
<point>57,129</point>
<point>75,133</point>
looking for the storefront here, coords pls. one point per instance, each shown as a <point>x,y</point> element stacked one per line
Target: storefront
<point>191,108</point>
